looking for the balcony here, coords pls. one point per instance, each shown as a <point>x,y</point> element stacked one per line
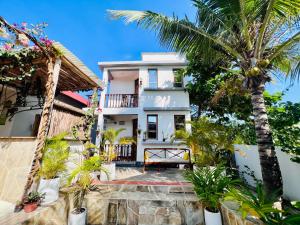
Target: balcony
<point>121,101</point>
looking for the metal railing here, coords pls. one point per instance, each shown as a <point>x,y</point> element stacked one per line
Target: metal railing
<point>124,152</point>
<point>121,100</point>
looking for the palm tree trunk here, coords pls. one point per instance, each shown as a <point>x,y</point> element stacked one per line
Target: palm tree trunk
<point>270,169</point>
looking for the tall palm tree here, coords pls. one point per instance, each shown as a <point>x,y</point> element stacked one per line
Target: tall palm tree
<point>259,37</point>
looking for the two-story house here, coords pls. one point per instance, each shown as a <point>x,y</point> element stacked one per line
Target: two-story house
<point>147,98</point>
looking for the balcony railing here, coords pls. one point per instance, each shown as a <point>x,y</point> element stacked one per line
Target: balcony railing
<point>121,100</point>
<point>124,152</point>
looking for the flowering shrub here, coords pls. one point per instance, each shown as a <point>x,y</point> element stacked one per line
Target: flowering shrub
<point>20,44</point>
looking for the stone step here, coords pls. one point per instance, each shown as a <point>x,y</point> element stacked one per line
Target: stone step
<point>143,208</point>
<point>142,186</point>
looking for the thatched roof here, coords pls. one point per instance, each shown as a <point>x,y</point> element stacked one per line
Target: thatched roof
<point>74,75</point>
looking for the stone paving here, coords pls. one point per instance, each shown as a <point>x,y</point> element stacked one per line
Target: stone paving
<point>163,175</point>
<point>151,198</point>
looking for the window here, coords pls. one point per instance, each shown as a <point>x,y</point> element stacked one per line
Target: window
<point>178,81</point>
<point>152,78</point>
<point>179,122</point>
<point>152,126</point>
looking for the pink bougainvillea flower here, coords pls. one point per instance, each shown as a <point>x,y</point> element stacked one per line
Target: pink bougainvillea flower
<point>23,40</point>
<point>36,48</point>
<point>24,24</point>
<point>46,42</point>
<point>7,46</point>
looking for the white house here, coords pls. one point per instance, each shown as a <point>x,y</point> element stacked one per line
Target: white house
<point>147,99</point>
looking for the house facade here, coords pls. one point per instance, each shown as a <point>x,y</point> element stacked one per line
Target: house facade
<point>146,98</point>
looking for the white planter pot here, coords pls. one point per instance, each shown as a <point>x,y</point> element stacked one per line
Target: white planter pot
<point>51,190</point>
<point>111,172</point>
<point>77,219</point>
<point>181,166</point>
<point>212,218</point>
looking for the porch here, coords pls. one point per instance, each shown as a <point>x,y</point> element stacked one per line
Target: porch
<point>125,153</point>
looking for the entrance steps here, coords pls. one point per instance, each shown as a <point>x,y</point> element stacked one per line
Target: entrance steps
<point>128,202</point>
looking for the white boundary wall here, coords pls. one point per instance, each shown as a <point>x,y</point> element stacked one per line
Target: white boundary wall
<point>248,155</point>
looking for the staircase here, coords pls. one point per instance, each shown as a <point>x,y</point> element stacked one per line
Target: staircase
<point>143,203</point>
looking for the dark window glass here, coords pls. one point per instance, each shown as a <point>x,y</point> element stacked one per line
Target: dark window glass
<point>179,121</point>
<point>178,81</point>
<point>152,126</point>
<point>152,78</point>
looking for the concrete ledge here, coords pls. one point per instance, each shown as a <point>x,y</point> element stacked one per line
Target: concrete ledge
<point>54,214</point>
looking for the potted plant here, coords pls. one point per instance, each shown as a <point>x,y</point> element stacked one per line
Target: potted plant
<point>260,205</point>
<point>79,183</point>
<point>32,201</point>
<point>210,143</point>
<point>56,153</point>
<point>210,185</point>
<point>108,153</point>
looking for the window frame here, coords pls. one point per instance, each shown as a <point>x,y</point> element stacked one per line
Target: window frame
<point>184,122</point>
<point>156,125</point>
<point>149,83</point>
<point>174,77</point>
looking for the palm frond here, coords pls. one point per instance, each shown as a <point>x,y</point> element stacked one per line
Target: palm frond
<point>285,45</point>
<point>179,34</point>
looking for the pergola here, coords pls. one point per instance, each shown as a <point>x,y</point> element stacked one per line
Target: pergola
<point>54,74</point>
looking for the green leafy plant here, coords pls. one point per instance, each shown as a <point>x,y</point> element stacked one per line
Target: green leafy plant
<point>34,197</point>
<point>210,185</point>
<point>260,204</point>
<point>110,136</point>
<point>209,141</point>
<point>80,180</point>
<point>56,154</point>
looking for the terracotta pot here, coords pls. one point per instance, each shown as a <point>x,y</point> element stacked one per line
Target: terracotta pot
<point>30,207</point>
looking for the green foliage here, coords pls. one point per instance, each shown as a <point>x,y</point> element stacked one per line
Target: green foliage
<point>88,120</point>
<point>20,51</point>
<point>55,155</point>
<point>261,205</point>
<point>34,197</point>
<point>284,119</point>
<point>212,89</point>
<point>210,185</point>
<point>111,136</point>
<point>209,141</point>
<point>80,180</point>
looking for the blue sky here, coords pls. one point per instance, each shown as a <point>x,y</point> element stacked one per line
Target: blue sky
<point>84,28</point>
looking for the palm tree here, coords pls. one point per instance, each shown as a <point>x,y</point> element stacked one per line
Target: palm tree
<point>209,142</point>
<point>259,38</point>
